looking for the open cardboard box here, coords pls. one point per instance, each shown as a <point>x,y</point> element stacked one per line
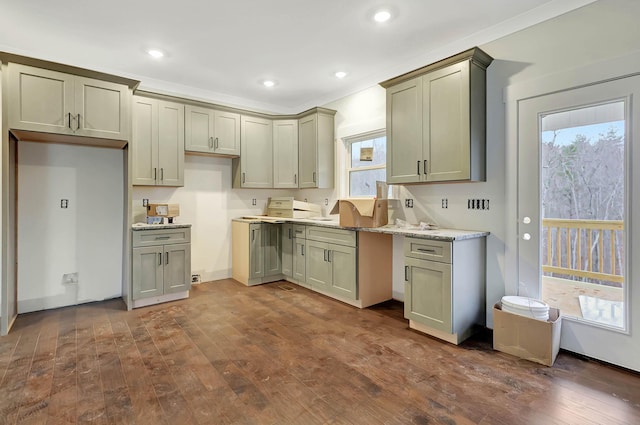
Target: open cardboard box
<point>525,337</point>
<point>362,212</point>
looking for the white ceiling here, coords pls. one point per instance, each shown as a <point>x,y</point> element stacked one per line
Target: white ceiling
<point>221,50</point>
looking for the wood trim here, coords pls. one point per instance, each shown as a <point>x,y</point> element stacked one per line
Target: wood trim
<point>475,55</point>
<point>6,57</point>
<point>66,139</point>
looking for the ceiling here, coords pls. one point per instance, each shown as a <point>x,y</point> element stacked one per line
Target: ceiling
<point>222,51</point>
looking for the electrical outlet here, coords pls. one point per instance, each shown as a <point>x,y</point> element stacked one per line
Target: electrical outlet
<point>408,203</point>
<point>478,204</point>
<point>64,203</point>
<point>445,203</point>
<point>145,202</point>
<point>70,278</point>
<point>254,202</point>
<point>326,201</point>
<point>195,278</point>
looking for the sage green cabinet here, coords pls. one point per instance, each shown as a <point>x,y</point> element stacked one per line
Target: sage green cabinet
<point>285,154</point>
<point>287,249</point>
<point>161,262</point>
<point>211,131</point>
<point>331,261</point>
<point>254,168</point>
<point>272,245</point>
<point>444,286</point>
<point>436,121</point>
<point>157,143</point>
<point>256,254</point>
<point>316,149</point>
<point>300,261</point>
<point>54,102</point>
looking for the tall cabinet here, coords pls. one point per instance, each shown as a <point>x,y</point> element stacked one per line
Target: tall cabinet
<point>316,149</point>
<point>436,121</point>
<point>285,154</point>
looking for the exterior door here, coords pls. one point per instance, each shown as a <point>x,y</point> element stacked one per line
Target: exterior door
<point>576,210</point>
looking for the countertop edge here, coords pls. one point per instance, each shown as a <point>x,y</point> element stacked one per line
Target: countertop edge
<point>159,226</point>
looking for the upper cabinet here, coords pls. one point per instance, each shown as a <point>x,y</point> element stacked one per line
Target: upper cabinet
<point>285,154</point>
<point>211,131</point>
<point>157,142</point>
<point>254,168</point>
<point>55,102</point>
<point>436,121</point>
<point>316,149</point>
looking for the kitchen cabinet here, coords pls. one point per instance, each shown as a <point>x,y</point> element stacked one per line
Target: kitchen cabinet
<point>299,255</point>
<point>161,264</point>
<point>256,252</point>
<point>287,249</point>
<point>436,121</point>
<point>157,143</point>
<point>444,286</point>
<point>254,168</point>
<point>331,261</point>
<point>285,154</point>
<point>316,149</point>
<point>54,102</point>
<point>211,131</point>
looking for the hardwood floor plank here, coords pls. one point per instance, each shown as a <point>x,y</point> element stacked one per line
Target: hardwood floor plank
<point>15,379</point>
<point>62,401</point>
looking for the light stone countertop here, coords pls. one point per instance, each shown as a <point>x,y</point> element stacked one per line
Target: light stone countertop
<point>145,226</point>
<point>439,234</point>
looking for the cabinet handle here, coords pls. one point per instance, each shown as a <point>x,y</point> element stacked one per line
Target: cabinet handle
<point>155,173</point>
<point>162,237</point>
<point>431,251</point>
<point>406,273</point>
<point>295,179</point>
<point>418,167</point>
<point>69,120</point>
<point>314,176</point>
<point>215,144</point>
<point>210,142</point>
<point>290,234</point>
<point>329,255</point>
<point>302,250</point>
<point>166,257</point>
<point>78,127</point>
<point>424,168</point>
<point>253,236</point>
<point>325,255</point>
<point>243,179</point>
<point>161,173</point>
<point>159,258</point>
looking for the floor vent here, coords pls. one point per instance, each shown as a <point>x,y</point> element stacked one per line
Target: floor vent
<point>286,288</point>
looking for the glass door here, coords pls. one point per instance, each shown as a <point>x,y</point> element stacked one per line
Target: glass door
<point>575,214</point>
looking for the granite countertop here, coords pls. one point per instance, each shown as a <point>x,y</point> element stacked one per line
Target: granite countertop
<point>438,234</point>
<point>145,226</point>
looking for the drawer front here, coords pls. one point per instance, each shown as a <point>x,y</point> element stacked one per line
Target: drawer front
<point>161,237</point>
<point>276,212</point>
<point>427,249</point>
<point>279,203</point>
<point>299,231</point>
<point>330,235</point>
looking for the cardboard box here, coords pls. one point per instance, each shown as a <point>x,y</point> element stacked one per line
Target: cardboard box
<point>370,212</point>
<point>525,337</point>
<point>163,210</point>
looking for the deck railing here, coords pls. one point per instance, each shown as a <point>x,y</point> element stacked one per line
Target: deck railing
<point>584,250</point>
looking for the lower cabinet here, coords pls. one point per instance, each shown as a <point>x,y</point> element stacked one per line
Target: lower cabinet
<point>161,265</point>
<point>299,255</point>
<point>444,287</point>
<point>332,268</point>
<point>256,252</point>
<point>287,250</point>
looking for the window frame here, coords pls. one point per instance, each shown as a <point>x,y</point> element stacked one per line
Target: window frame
<point>348,169</point>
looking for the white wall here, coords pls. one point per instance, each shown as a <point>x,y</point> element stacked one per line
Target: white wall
<point>85,238</point>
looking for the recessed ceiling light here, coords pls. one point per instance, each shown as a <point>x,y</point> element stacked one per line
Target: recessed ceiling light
<point>340,74</point>
<point>155,53</point>
<point>382,16</point>
<point>269,83</point>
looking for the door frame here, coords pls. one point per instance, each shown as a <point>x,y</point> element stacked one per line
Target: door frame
<point>592,74</point>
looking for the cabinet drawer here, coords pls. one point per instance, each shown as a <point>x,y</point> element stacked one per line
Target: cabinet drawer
<point>299,231</point>
<point>161,236</point>
<point>428,249</point>
<point>330,235</point>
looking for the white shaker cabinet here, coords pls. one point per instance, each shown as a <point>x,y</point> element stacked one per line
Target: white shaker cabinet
<point>254,168</point>
<point>211,131</point>
<point>316,149</point>
<point>285,154</point>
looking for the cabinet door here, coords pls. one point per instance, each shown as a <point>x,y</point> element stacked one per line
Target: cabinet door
<point>227,133</point>
<point>144,146</point>
<point>428,293</point>
<point>405,162</point>
<point>147,269</point>
<point>177,268</point>
<point>299,261</point>
<point>101,109</point>
<point>272,249</point>
<point>446,123</point>
<point>40,100</point>
<point>170,144</point>
<point>343,271</point>
<point>256,159</point>
<point>308,151</point>
<point>285,154</point>
<point>287,250</point>
<point>256,253</point>
<point>198,132</point>
<point>318,267</point>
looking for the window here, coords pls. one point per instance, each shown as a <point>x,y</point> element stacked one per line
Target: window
<point>366,162</point>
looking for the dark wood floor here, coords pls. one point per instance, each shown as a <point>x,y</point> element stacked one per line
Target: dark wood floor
<point>264,355</point>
